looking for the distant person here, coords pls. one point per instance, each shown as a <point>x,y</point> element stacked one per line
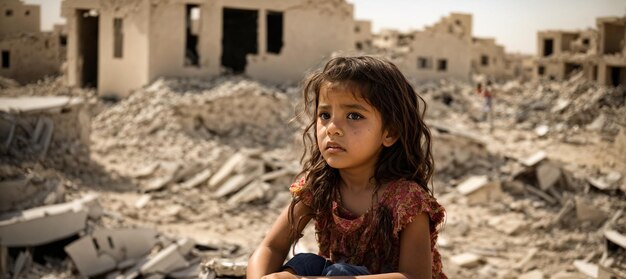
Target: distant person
<point>365,182</point>
<point>487,94</point>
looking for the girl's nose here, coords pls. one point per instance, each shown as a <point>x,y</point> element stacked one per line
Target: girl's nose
<point>333,128</point>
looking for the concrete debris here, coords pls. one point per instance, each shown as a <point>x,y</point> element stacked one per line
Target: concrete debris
<point>478,189</point>
<point>466,260</point>
<point>106,249</point>
<point>588,212</point>
<point>548,175</point>
<point>616,238</point>
<point>210,160</point>
<point>166,261</point>
<point>534,159</point>
<point>57,221</point>
<point>587,268</point>
<point>535,274</point>
<point>227,267</point>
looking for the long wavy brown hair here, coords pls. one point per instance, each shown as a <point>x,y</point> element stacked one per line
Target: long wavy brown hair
<point>381,84</point>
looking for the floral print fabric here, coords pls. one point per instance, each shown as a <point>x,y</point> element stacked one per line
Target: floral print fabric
<point>347,238</point>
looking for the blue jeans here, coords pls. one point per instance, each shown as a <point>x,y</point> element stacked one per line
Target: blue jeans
<point>308,264</point>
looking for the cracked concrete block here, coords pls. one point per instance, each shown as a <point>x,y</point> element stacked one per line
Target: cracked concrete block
<point>478,189</point>
<point>104,249</point>
<point>41,225</point>
<point>548,174</point>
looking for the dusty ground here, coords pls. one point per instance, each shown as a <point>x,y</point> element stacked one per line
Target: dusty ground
<point>202,123</point>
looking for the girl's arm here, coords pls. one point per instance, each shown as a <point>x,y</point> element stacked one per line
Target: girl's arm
<point>415,254</point>
<point>270,255</point>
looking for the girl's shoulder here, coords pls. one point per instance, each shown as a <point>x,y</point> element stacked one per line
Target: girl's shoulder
<point>407,199</point>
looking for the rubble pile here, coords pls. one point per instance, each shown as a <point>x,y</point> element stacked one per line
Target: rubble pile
<point>191,173</point>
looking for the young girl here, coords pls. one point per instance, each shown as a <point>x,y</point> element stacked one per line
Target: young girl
<point>365,182</point>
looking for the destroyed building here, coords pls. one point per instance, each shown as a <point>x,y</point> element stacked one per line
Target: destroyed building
<point>363,34</point>
<point>563,53</point>
<point>600,54</point>
<point>27,53</point>
<point>119,46</point>
<point>448,50</point>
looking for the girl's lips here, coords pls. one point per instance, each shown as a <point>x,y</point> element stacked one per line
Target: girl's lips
<point>334,148</point>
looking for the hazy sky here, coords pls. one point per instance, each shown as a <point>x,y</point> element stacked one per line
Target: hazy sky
<point>514,23</point>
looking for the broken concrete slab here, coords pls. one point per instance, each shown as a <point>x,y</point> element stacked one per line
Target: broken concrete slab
<point>164,262</point>
<point>37,104</point>
<point>466,259</point>
<point>616,238</point>
<point>232,185</point>
<point>586,268</point>
<point>105,249</point>
<point>547,175</point>
<point>226,170</point>
<point>509,223</point>
<point>193,271</point>
<point>534,159</point>
<point>57,221</point>
<point>197,179</point>
<point>253,191</point>
<point>478,189</point>
<point>587,212</point>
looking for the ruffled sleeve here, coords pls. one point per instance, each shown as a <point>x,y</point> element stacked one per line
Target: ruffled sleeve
<point>298,190</point>
<point>407,200</point>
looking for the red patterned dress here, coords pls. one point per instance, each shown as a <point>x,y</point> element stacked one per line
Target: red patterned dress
<point>348,238</point>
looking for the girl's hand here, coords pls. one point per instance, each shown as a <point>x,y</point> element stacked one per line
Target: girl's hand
<point>281,275</point>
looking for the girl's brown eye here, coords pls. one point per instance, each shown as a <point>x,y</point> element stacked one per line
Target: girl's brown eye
<point>354,116</point>
<point>324,116</point>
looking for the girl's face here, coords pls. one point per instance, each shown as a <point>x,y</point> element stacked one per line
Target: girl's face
<point>350,134</point>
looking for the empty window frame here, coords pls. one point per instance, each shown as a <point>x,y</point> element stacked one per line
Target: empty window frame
<point>442,65</point>
<point>484,60</point>
<point>8,12</point>
<point>541,70</point>
<point>424,62</point>
<point>118,38</point>
<point>274,31</point>
<point>192,34</point>
<point>6,59</point>
<point>27,13</point>
<point>548,47</point>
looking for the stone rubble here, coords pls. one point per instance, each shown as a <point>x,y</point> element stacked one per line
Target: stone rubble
<point>205,165</point>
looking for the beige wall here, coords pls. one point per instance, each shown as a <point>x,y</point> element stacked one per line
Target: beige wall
<point>386,39</point>
<point>306,44</point>
<point>434,46</point>
<point>23,18</point>
<point>363,34</point>
<point>496,67</point>
<point>117,75</point>
<point>31,56</point>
